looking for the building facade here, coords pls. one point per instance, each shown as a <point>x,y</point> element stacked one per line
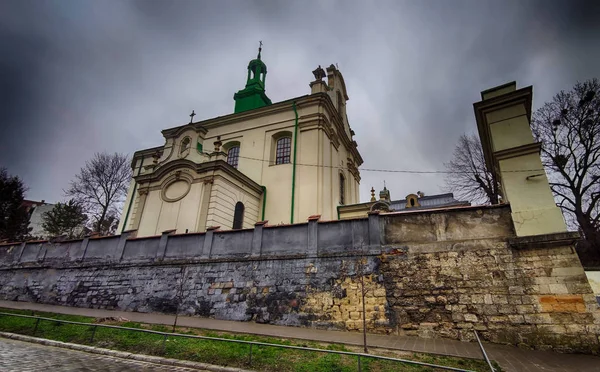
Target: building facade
<point>36,210</point>
<point>280,162</point>
<point>412,202</point>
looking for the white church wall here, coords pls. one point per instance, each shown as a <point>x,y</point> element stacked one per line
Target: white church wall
<point>160,215</point>
<point>225,194</point>
<point>189,209</point>
<point>255,137</point>
<point>254,143</point>
<point>327,149</point>
<point>307,178</point>
<point>152,211</point>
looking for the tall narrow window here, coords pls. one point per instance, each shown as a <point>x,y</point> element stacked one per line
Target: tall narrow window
<point>233,155</point>
<point>342,189</point>
<point>282,153</point>
<point>238,216</point>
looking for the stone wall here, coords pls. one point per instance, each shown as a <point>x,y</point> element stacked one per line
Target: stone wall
<point>426,273</point>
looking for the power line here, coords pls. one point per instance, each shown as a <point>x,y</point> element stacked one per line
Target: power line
<point>376,170</point>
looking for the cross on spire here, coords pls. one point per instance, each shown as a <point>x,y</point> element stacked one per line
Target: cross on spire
<point>259,48</point>
<point>192,116</point>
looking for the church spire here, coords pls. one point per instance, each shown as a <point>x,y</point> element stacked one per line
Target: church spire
<point>253,96</point>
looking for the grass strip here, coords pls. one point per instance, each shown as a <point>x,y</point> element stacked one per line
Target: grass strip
<point>264,358</point>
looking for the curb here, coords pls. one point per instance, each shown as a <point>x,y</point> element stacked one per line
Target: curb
<point>121,354</point>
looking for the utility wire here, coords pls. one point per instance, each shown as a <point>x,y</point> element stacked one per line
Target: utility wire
<point>374,169</point>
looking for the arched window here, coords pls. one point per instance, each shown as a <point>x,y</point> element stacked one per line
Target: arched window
<point>342,189</point>
<point>233,155</point>
<point>238,215</point>
<point>185,144</point>
<point>283,149</point>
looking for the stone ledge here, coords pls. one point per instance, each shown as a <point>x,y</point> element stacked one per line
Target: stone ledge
<point>121,354</point>
<point>66,265</point>
<point>544,241</point>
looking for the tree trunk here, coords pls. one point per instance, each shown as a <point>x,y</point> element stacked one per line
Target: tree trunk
<point>589,247</point>
<point>100,221</point>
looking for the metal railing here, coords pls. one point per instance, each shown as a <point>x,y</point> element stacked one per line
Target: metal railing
<point>483,352</point>
<point>251,343</point>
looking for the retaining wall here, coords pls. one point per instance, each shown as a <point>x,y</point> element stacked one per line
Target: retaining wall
<point>426,273</point>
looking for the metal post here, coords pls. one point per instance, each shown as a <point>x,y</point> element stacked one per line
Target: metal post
<point>250,363</point>
<point>359,366</point>
<point>37,323</point>
<point>164,343</point>
<point>483,352</point>
<point>93,334</point>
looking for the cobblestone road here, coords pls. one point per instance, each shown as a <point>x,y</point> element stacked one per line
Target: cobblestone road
<point>23,356</point>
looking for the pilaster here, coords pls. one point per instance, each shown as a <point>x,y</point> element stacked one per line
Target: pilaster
<point>511,154</point>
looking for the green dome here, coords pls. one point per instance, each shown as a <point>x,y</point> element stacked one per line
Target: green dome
<point>253,96</point>
<point>253,64</point>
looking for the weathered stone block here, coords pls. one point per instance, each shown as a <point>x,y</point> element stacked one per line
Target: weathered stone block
<point>538,318</point>
<point>471,318</point>
<point>568,271</point>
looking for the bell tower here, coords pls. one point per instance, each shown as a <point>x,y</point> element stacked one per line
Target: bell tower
<point>253,96</point>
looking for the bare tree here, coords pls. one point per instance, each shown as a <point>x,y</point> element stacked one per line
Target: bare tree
<point>468,177</point>
<point>101,186</point>
<point>569,129</point>
<point>179,294</point>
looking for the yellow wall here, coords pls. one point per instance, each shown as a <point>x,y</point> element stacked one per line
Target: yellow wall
<point>532,203</point>
<point>509,127</point>
<point>361,213</point>
<point>594,279</point>
<point>512,153</point>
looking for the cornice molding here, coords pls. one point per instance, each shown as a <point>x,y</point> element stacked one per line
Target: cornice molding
<point>483,107</point>
<point>530,148</point>
<point>200,169</point>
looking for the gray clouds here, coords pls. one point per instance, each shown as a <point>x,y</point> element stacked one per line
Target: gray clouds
<point>78,77</point>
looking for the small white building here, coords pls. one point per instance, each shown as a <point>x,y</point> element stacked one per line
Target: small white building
<point>36,211</point>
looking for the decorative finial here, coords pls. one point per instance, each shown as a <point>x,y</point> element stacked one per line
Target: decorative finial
<point>155,157</point>
<point>218,144</point>
<point>192,116</point>
<point>319,73</point>
<point>373,194</point>
<point>384,185</point>
<point>259,48</point>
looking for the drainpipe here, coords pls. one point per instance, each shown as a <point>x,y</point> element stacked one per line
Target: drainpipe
<point>132,196</point>
<point>294,162</point>
<point>264,189</point>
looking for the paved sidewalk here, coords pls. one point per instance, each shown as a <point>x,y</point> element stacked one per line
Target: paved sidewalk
<point>510,358</point>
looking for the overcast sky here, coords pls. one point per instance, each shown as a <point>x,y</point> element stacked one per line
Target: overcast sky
<point>78,77</point>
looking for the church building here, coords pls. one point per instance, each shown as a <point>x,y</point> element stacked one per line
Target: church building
<point>278,162</point>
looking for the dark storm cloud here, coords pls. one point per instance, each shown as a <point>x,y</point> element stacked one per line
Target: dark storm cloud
<point>78,77</point>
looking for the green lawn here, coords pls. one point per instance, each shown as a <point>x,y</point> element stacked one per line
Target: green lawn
<point>232,354</point>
